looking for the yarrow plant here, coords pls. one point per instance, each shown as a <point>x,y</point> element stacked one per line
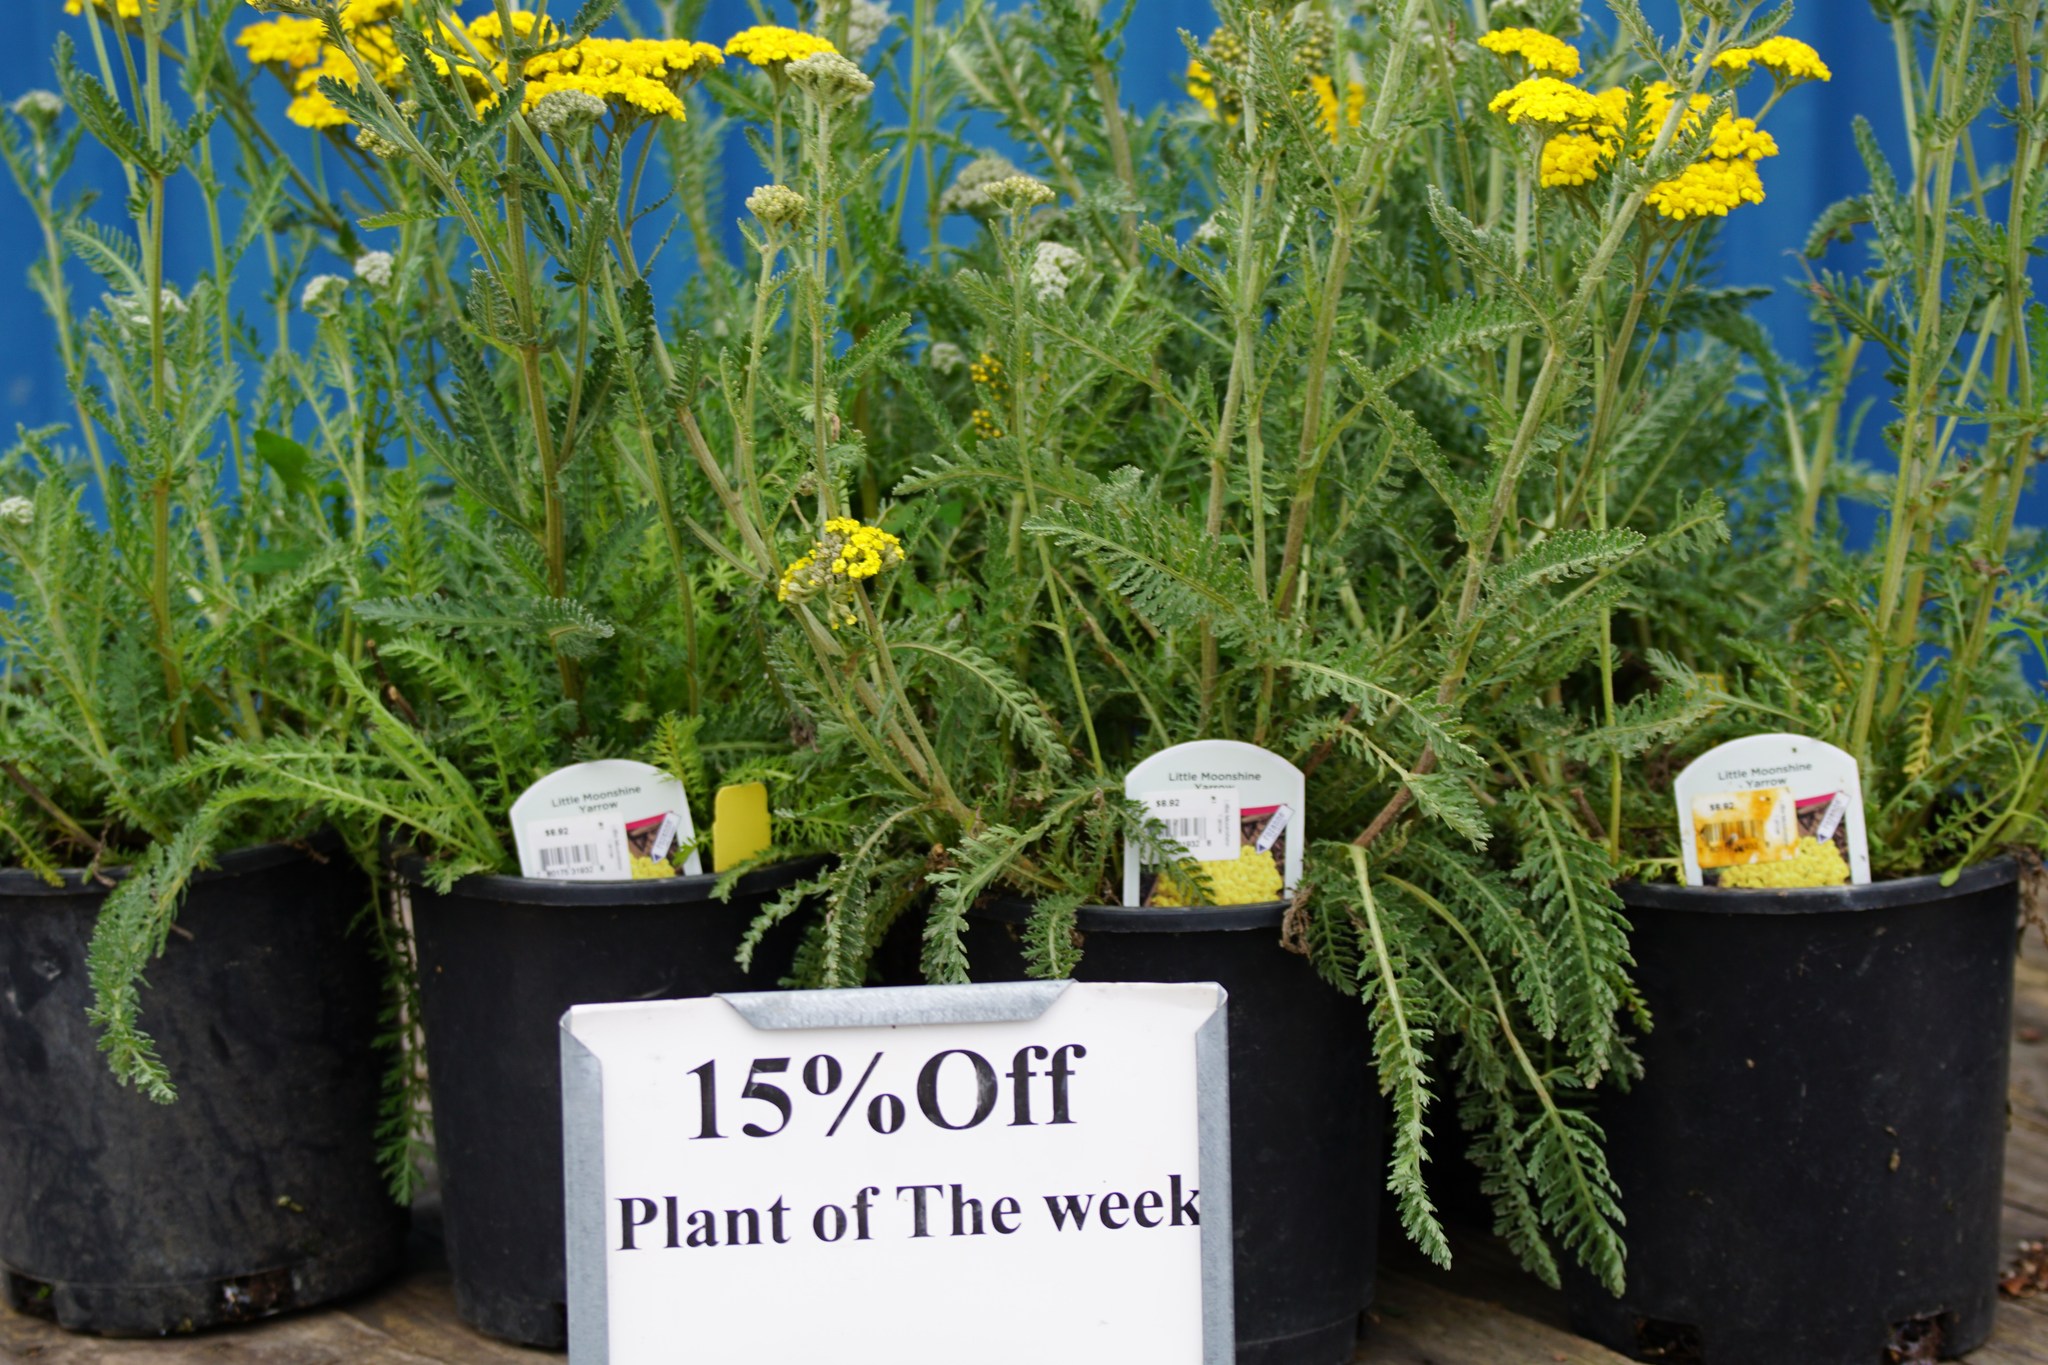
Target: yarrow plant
<point>173,559</point>
<point>1914,653</point>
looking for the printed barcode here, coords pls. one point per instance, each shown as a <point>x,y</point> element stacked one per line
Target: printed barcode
<point>566,855</point>
<point>1187,827</point>
<point>1731,831</point>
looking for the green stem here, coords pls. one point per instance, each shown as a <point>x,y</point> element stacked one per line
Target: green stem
<point>1923,373</point>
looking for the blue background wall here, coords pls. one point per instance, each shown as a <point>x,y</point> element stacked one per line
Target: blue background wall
<point>1758,246</point>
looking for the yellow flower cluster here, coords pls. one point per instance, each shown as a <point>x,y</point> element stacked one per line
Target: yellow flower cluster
<point>1739,139</point>
<point>1201,85</point>
<point>1574,159</point>
<point>1789,61</point>
<point>632,75</point>
<point>486,33</point>
<point>865,551</point>
<point>1540,50</point>
<point>1713,186</point>
<point>988,373</point>
<point>772,47</point>
<point>1818,862</point>
<point>1325,92</point>
<point>651,869</point>
<point>285,41</point>
<point>847,553</point>
<point>297,49</point>
<point>1251,878</point>
<point>1546,99</point>
<point>1587,130</point>
<point>121,9</point>
<point>1313,38</point>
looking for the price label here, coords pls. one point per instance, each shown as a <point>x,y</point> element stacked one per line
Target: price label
<point>1204,822</point>
<point>914,1158</point>
<point>1759,826</point>
<point>578,848</point>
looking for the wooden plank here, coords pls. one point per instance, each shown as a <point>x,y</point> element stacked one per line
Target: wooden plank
<point>418,1315</point>
<point>2020,1337</point>
<point>1418,1322</point>
<point>307,1339</point>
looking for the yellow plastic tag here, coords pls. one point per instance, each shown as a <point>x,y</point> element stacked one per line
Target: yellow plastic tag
<point>739,825</point>
<point>1756,826</point>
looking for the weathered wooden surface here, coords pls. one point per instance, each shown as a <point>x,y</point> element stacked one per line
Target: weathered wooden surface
<point>1483,1312</point>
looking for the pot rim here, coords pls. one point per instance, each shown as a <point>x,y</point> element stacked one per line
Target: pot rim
<point>1146,919</point>
<point>19,882</point>
<point>571,895</point>
<point>1813,900</point>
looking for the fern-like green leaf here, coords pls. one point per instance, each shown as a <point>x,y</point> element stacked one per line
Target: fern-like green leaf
<point>1023,714</point>
<point>979,861</point>
<point>1571,888</point>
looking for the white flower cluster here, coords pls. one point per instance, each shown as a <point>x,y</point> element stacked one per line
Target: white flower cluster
<point>322,295</point>
<point>374,269</point>
<point>37,107</point>
<point>865,21</point>
<point>1019,194</point>
<point>564,113</point>
<point>969,191</point>
<point>130,312</point>
<point>945,358</point>
<point>777,205</point>
<point>17,511</point>
<point>830,79</point>
<point>1054,268</point>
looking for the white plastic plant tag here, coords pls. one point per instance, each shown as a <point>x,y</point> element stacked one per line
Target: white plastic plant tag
<point>664,835</point>
<point>1204,822</point>
<point>1275,827</point>
<point>1767,799</point>
<point>1259,856</point>
<point>592,821</point>
<point>1831,820</point>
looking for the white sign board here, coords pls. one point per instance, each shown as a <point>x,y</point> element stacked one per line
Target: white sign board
<point>1024,1174</point>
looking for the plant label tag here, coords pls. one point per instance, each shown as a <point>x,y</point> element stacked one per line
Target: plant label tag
<point>1204,822</point>
<point>1004,1173</point>
<point>615,810</point>
<point>1257,796</point>
<point>1831,819</point>
<point>664,836</point>
<point>1275,827</point>
<point>1770,798</point>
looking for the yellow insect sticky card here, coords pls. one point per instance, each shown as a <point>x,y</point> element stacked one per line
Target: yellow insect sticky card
<point>739,825</point>
<point>1756,826</point>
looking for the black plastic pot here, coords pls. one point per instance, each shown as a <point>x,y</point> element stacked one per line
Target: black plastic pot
<point>1812,1164</point>
<point>501,959</point>
<point>258,1191</point>
<point>1306,1125</point>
